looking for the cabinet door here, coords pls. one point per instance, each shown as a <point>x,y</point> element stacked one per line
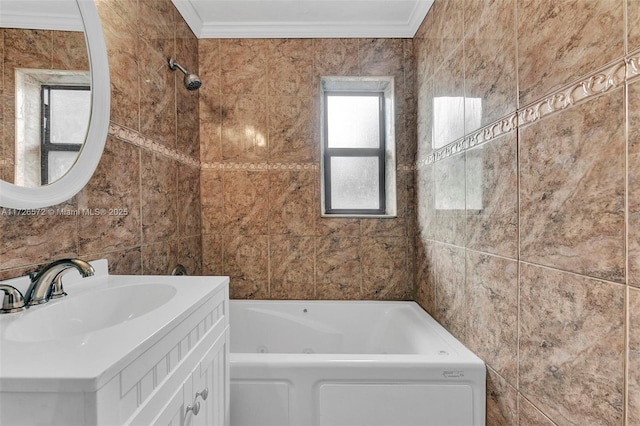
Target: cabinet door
<point>210,379</point>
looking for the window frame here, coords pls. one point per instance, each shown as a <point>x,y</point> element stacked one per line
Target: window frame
<point>378,153</point>
<point>383,88</point>
<point>46,146</point>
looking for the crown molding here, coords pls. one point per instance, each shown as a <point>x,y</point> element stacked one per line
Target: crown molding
<point>302,28</point>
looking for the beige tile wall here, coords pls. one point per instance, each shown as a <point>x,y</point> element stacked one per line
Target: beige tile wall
<point>528,220</point>
<point>260,179</point>
<point>150,166</point>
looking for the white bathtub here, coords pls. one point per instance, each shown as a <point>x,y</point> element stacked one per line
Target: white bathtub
<point>320,363</point>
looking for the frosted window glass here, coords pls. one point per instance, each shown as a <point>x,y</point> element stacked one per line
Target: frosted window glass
<point>355,183</point>
<point>353,121</point>
<point>70,112</point>
<point>59,163</point>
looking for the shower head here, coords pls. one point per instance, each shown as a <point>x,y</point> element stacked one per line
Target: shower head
<point>191,81</point>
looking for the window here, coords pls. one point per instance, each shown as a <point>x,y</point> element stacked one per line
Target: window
<point>62,132</point>
<point>358,147</point>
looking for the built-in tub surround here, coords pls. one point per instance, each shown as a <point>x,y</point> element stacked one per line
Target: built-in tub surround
<point>147,180</point>
<point>526,219</point>
<point>260,182</point>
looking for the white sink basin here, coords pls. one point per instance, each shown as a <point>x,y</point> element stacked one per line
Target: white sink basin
<point>89,312</point>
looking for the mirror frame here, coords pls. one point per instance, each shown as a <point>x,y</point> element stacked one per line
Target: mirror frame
<point>18,197</point>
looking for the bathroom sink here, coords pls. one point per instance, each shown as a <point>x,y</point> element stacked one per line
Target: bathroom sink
<point>89,312</point>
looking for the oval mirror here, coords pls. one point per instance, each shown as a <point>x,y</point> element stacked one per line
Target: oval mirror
<point>55,100</point>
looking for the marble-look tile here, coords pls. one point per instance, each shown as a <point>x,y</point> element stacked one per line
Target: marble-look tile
<point>388,227</point>
<point>448,100</point>
<point>335,56</point>
<point>246,201</point>
<point>187,102</point>
<point>490,67</point>
<point>409,134</point>
<point>633,378</point>
<point>212,261</point>
<point>338,268</point>
<point>291,202</point>
<point>190,254</point>
<point>246,264</point>
<point>290,68</point>
<point>159,197</point>
<point>424,119</point>
<point>425,202</point>
<point>385,275</point>
<point>189,211</point>
<point>119,21</point>
<point>210,132</point>
<point>502,401</point>
<point>293,129</point>
<point>114,185</point>
<point>2,63</point>
<point>634,183</point>
<point>528,415</point>
<point>212,201</point>
<point>571,346</point>
<point>29,239</point>
<point>425,275</point>
<point>449,200</point>
<point>492,197</point>
<point>156,19</point>
<point>492,311</point>
<point>209,67</point>
<point>344,227</point>
<point>423,65</point>
<point>633,25</point>
<point>450,304</point>
<point>292,267</point>
<point>412,203</point>
<point>159,258</point>
<point>243,65</point>
<point>6,274</point>
<point>69,51</point>
<point>382,56</point>
<point>561,40</point>
<point>572,185</point>
<point>446,30</point>
<point>244,128</point>
<point>25,49</point>
<point>157,92</point>
<point>124,262</point>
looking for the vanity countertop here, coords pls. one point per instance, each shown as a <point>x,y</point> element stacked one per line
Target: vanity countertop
<point>103,337</point>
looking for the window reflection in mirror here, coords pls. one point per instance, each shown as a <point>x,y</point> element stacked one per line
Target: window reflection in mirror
<point>34,59</point>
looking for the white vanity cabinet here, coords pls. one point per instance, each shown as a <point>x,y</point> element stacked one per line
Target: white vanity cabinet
<point>201,380</point>
<point>143,371</point>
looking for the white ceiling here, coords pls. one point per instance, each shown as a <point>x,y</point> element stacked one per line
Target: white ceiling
<point>303,18</point>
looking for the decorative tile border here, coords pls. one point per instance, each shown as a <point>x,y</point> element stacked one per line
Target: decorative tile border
<point>599,82</point>
<point>263,166</point>
<point>136,138</point>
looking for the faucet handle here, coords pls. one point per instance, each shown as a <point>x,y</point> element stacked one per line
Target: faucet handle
<point>12,300</point>
<point>57,291</point>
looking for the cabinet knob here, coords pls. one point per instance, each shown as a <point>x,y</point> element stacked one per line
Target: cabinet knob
<point>204,394</point>
<point>195,408</point>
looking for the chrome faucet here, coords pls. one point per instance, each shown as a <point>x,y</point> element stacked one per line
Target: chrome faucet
<point>12,300</point>
<point>47,283</point>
